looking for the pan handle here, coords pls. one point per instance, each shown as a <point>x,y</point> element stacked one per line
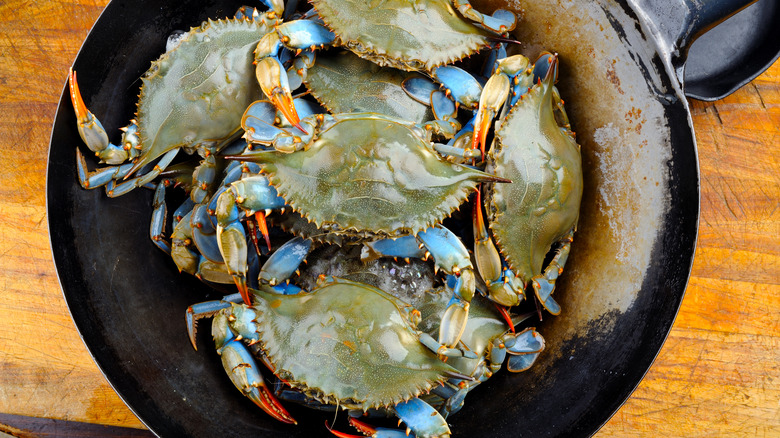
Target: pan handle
<point>680,22</point>
<point>714,70</point>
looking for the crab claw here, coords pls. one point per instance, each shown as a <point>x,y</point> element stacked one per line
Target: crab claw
<point>494,94</point>
<point>364,428</point>
<point>503,287</point>
<point>240,365</point>
<point>89,127</point>
<point>272,78</point>
<point>349,435</point>
<point>368,430</point>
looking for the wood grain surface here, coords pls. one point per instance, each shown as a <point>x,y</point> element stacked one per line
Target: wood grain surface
<point>717,375</point>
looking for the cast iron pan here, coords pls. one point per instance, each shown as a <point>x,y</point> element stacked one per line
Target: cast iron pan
<point>620,293</point>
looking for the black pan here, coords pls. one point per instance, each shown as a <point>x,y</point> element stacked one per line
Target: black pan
<point>623,284</point>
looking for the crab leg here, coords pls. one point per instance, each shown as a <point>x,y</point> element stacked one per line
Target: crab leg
<point>523,348</point>
<point>159,214</point>
<point>544,284</point>
<point>203,179</point>
<point>99,177</point>
<point>500,22</point>
<point>369,430</point>
<point>182,253</point>
<point>452,257</point>
<point>140,181</point>
<point>422,420</point>
<point>242,370</point>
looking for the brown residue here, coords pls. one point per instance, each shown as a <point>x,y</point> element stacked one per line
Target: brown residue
<point>613,77</point>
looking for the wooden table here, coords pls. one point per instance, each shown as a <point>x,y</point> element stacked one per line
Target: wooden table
<point>717,375</point>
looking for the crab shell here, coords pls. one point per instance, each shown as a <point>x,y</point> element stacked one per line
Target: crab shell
<point>542,203</point>
<point>345,83</point>
<point>196,93</point>
<point>346,343</point>
<point>405,34</point>
<point>369,174</point>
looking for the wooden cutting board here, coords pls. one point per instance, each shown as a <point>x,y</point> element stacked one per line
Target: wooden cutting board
<point>717,375</point>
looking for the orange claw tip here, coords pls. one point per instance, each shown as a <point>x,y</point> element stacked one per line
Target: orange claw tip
<point>75,97</point>
<point>479,221</point>
<point>284,102</point>
<point>266,401</point>
<point>507,317</point>
<point>243,289</point>
<point>341,434</point>
<point>261,223</point>
<point>364,428</point>
<point>479,137</point>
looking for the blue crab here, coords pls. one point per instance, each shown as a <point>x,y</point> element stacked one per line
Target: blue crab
<point>343,82</point>
<point>487,341</point>
<point>535,148</point>
<point>343,343</point>
<point>366,176</point>
<point>420,35</point>
<point>191,98</point>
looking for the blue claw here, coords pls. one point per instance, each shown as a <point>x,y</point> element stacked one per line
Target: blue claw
<point>403,247</point>
<point>99,177</point>
<point>259,131</point>
<point>500,19</point>
<point>451,255</point>
<point>242,370</point>
<point>261,110</point>
<point>542,67</point>
<point>528,341</point>
<point>230,322</point>
<point>256,193</point>
<point>522,362</point>
<point>464,88</point>
<point>302,34</point>
<point>287,289</point>
<point>422,419</point>
<point>446,248</point>
<point>285,261</point>
<point>443,107</point>
<point>419,88</point>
